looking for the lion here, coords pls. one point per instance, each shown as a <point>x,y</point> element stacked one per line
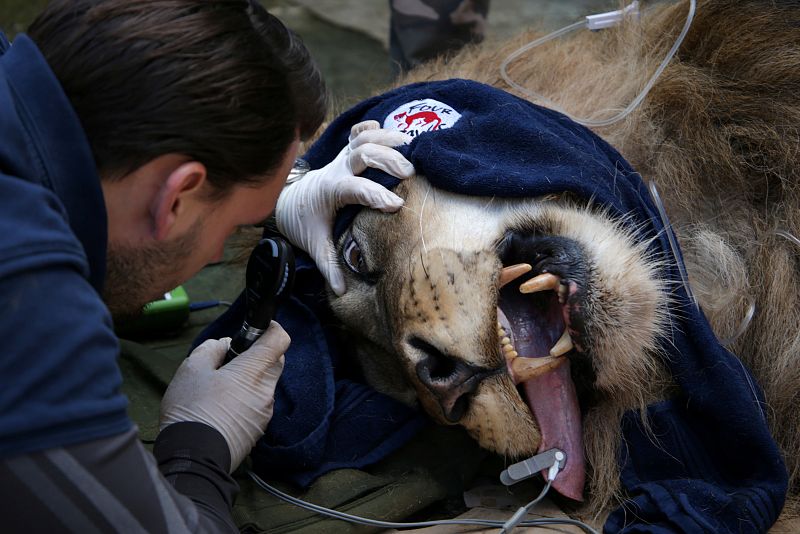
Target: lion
<point>434,292</point>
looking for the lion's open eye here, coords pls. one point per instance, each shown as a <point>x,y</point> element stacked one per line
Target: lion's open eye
<point>353,257</point>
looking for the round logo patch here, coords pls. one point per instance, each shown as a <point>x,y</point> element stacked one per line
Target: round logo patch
<point>421,116</point>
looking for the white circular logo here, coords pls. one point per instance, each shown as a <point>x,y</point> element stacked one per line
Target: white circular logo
<point>420,116</point>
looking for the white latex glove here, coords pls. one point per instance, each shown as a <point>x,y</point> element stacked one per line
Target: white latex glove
<point>236,399</point>
<point>306,208</point>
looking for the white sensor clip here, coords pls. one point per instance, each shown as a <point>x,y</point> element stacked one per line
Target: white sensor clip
<point>553,460</point>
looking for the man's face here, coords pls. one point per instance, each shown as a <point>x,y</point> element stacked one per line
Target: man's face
<point>136,275</point>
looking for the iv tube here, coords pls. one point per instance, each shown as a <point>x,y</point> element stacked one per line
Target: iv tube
<point>609,19</point>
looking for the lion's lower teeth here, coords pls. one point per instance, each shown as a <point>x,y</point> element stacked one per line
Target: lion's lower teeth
<point>562,346</point>
<point>505,344</point>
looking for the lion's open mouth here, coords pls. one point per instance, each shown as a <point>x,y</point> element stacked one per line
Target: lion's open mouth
<point>535,310</point>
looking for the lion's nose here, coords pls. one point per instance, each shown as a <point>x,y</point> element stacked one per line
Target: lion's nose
<point>451,381</point>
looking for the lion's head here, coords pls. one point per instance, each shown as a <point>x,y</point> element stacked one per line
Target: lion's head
<point>538,322</point>
<point>512,318</point>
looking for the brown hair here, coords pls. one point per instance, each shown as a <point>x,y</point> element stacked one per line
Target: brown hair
<point>223,82</point>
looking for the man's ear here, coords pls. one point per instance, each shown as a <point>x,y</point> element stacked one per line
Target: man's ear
<point>182,189</point>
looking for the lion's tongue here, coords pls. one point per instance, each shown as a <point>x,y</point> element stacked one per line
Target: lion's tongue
<point>553,401</point>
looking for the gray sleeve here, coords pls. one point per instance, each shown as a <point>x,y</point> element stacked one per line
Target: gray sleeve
<point>114,485</point>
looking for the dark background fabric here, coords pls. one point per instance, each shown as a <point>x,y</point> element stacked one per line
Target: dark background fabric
<point>715,467</point>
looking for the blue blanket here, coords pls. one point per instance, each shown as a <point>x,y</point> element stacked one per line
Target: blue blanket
<point>716,467</point>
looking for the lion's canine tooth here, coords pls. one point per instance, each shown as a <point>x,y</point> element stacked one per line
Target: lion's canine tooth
<point>512,272</point>
<point>526,368</point>
<point>542,282</point>
<point>563,345</point>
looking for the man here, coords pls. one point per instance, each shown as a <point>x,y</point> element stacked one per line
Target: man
<point>134,138</point>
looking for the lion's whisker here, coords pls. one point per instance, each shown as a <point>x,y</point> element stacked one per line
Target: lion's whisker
<point>421,214</point>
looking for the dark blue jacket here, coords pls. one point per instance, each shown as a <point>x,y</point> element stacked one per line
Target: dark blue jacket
<point>59,380</point>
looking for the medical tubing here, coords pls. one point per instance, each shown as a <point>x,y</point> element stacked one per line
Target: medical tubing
<point>743,326</point>
<point>788,236</point>
<point>515,520</point>
<point>584,23</point>
<point>751,308</point>
<point>673,244</point>
<point>533,44</point>
<point>748,318</point>
<point>420,524</point>
<point>662,213</point>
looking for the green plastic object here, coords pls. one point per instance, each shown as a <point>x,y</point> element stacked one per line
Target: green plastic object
<point>160,316</point>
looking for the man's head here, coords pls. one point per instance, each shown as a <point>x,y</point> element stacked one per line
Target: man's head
<point>193,109</point>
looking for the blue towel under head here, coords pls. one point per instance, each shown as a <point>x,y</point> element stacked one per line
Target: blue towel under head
<point>716,467</point>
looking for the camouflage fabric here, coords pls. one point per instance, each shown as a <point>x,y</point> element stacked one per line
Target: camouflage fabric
<point>423,29</point>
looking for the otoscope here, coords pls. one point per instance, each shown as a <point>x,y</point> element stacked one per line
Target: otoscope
<point>269,278</point>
